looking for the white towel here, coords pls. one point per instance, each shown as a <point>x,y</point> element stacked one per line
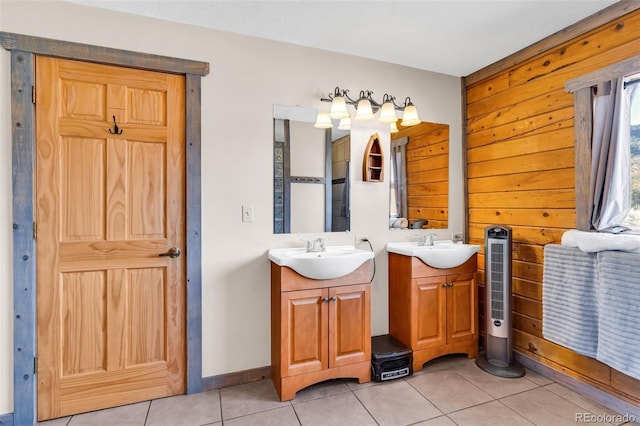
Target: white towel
<point>591,242</point>
<point>398,222</point>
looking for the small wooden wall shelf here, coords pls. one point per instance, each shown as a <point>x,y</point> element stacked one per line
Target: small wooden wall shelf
<point>373,161</point>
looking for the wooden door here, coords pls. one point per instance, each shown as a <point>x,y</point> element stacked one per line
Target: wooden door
<point>429,304</point>
<point>461,308</point>
<point>349,325</point>
<point>304,331</point>
<point>110,310</point>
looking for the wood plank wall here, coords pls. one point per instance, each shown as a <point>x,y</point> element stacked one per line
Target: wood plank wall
<point>427,172</point>
<point>520,152</point>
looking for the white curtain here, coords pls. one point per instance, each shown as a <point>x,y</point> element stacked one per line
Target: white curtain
<point>610,150</point>
<point>398,202</point>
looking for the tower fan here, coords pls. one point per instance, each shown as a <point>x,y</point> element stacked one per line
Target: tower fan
<point>497,358</point>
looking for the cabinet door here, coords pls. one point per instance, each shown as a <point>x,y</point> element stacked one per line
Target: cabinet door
<point>429,304</point>
<point>304,331</point>
<point>461,308</point>
<point>349,324</point>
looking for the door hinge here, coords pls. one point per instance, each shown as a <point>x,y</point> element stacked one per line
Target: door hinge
<point>35,365</point>
<point>33,94</point>
<point>35,231</point>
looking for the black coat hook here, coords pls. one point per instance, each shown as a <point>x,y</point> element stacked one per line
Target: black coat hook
<point>116,130</point>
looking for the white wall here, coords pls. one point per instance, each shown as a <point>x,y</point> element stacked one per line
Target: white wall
<point>248,75</point>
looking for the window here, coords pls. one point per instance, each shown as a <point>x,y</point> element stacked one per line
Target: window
<point>633,217</point>
<point>607,130</point>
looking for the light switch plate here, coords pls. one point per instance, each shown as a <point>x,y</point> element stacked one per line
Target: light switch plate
<point>247,213</point>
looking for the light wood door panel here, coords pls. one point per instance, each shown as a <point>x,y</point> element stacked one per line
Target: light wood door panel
<point>430,305</point>
<point>461,308</point>
<point>111,315</point>
<point>349,325</point>
<point>304,331</point>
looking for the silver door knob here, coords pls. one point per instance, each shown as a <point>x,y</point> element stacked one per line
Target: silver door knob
<point>172,253</point>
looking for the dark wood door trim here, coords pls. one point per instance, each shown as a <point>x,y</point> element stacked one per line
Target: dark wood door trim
<point>23,50</point>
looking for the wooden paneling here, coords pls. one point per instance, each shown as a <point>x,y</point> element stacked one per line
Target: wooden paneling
<point>521,168</point>
<point>594,22</point>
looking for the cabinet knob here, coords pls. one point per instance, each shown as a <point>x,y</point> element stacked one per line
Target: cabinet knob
<point>334,298</point>
<point>326,299</point>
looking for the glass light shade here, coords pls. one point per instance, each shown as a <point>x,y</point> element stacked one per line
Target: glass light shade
<point>338,108</point>
<point>345,123</point>
<point>393,128</point>
<point>364,111</point>
<point>387,113</point>
<point>410,116</point>
<point>323,121</point>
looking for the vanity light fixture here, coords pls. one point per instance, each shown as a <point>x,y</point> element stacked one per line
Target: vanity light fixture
<point>323,121</point>
<point>345,123</point>
<point>366,108</point>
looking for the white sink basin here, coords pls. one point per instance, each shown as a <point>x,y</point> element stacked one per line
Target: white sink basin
<point>443,254</point>
<point>336,262</point>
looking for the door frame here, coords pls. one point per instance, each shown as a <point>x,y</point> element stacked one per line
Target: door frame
<point>23,51</point>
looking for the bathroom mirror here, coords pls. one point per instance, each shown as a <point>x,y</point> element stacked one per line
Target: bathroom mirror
<point>419,177</point>
<point>310,173</point>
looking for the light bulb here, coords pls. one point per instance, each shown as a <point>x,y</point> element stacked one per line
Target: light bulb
<point>387,113</point>
<point>410,115</point>
<point>345,123</point>
<point>323,121</point>
<point>364,111</point>
<point>338,107</point>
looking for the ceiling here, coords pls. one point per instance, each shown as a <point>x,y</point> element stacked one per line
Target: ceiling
<point>455,37</point>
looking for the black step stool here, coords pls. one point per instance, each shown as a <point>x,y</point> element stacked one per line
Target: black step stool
<point>390,359</point>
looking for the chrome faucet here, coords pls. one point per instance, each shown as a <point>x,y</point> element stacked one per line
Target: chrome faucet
<point>317,245</point>
<point>427,240</point>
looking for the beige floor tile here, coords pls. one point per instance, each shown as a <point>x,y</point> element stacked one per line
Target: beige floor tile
<point>197,409</point>
<point>495,386</point>
<point>343,409</point>
<point>126,415</point>
<point>582,402</point>
<point>249,398</point>
<point>492,413</point>
<point>284,416</point>
<point>545,408</point>
<point>438,421</point>
<point>444,362</point>
<point>354,385</point>
<point>448,390</point>
<point>396,403</point>
<point>537,378</point>
<point>320,390</point>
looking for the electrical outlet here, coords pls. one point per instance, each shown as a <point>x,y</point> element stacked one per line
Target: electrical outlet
<point>247,213</point>
<point>360,238</point>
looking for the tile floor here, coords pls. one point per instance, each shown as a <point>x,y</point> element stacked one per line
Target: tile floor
<point>447,392</point>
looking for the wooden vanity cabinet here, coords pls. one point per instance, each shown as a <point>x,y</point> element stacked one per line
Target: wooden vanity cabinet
<point>320,329</point>
<point>433,311</point>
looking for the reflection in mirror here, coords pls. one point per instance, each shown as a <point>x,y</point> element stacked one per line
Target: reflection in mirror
<point>419,177</point>
<point>310,174</point>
